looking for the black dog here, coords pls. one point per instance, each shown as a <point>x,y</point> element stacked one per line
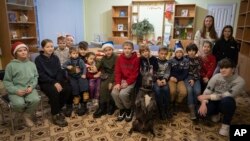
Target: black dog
<point>145,106</point>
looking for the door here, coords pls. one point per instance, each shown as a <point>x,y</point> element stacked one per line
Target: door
<point>224,14</point>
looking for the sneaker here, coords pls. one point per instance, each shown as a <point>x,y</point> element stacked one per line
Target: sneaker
<point>224,130</point>
<point>59,120</point>
<point>215,118</point>
<point>129,115</point>
<point>121,115</point>
<point>28,119</point>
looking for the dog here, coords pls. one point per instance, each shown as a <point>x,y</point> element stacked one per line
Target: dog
<point>145,106</point>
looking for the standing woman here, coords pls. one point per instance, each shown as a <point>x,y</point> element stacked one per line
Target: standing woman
<point>206,33</point>
<point>226,47</point>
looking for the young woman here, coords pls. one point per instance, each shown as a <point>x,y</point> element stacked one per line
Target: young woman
<point>207,33</point>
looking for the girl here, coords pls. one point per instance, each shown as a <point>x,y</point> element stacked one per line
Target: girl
<point>208,64</point>
<point>20,80</point>
<point>207,33</point>
<point>52,83</point>
<point>226,47</point>
<point>93,77</point>
<point>107,67</point>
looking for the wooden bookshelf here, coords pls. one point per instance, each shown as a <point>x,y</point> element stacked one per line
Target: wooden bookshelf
<point>184,21</point>
<point>14,27</point>
<point>243,37</point>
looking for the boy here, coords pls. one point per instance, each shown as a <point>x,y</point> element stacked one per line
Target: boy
<point>69,41</point>
<point>161,84</point>
<point>51,81</point>
<point>126,72</point>
<point>219,95</point>
<point>20,80</point>
<point>193,80</point>
<point>77,77</point>
<point>83,49</point>
<point>107,66</point>
<point>62,52</point>
<point>178,73</point>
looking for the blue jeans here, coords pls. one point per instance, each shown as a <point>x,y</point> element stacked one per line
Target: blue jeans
<point>162,96</point>
<point>193,92</point>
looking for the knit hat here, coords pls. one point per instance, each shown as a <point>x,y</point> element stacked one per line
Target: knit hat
<point>16,46</point>
<point>179,49</point>
<point>107,44</point>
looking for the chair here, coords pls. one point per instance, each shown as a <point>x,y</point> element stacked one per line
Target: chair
<point>6,101</point>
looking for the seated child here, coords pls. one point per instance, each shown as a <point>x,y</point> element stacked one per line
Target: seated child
<point>126,72</point>
<point>179,72</point>
<point>69,41</point>
<point>107,67</point>
<point>219,96</point>
<point>83,49</point>
<point>20,80</point>
<point>193,80</point>
<point>208,64</point>
<point>62,52</point>
<point>52,83</point>
<point>93,77</point>
<point>77,76</point>
<point>161,84</point>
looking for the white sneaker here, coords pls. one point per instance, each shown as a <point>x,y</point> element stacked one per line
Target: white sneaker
<point>224,130</point>
<point>215,118</point>
<point>28,119</point>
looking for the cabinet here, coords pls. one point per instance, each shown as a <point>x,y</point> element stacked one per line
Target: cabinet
<point>184,21</point>
<point>18,23</point>
<point>120,23</point>
<point>243,37</point>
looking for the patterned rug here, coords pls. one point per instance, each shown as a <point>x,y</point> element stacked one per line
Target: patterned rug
<point>85,128</point>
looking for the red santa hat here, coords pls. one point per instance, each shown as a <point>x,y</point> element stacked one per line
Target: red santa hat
<point>16,46</point>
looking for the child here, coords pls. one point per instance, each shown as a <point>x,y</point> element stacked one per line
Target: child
<point>20,80</point>
<point>69,41</point>
<point>83,49</point>
<point>178,73</point>
<point>93,77</point>
<point>51,81</point>
<point>207,33</point>
<point>208,64</point>
<point>219,95</point>
<point>77,77</point>
<point>226,47</point>
<point>107,67</point>
<point>193,80</point>
<point>161,84</point>
<point>147,62</point>
<point>62,52</point>
<point>126,72</point>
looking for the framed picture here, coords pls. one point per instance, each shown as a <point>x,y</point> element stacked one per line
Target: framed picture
<point>184,12</point>
<point>12,16</point>
<point>13,34</point>
<point>120,27</point>
<point>122,13</point>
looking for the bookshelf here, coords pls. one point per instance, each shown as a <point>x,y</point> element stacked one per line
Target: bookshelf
<point>18,23</point>
<point>120,23</point>
<point>243,38</point>
<point>184,21</point>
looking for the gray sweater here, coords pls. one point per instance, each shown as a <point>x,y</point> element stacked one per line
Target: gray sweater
<point>219,87</point>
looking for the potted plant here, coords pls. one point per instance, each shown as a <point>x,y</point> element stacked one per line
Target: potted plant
<point>142,29</point>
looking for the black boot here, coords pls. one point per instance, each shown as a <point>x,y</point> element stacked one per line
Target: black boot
<point>163,114</point>
<point>82,109</point>
<point>68,110</point>
<point>59,120</point>
<point>102,110</point>
<point>111,107</point>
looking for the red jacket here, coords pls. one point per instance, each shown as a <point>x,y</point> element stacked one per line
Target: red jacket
<point>208,66</point>
<point>127,68</point>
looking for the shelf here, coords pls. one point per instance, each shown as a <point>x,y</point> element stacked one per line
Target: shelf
<point>14,6</point>
<point>22,22</point>
<point>243,7</point>
<point>120,31</point>
<point>241,20</point>
<point>246,35</point>
<point>26,38</point>
<point>125,17</point>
